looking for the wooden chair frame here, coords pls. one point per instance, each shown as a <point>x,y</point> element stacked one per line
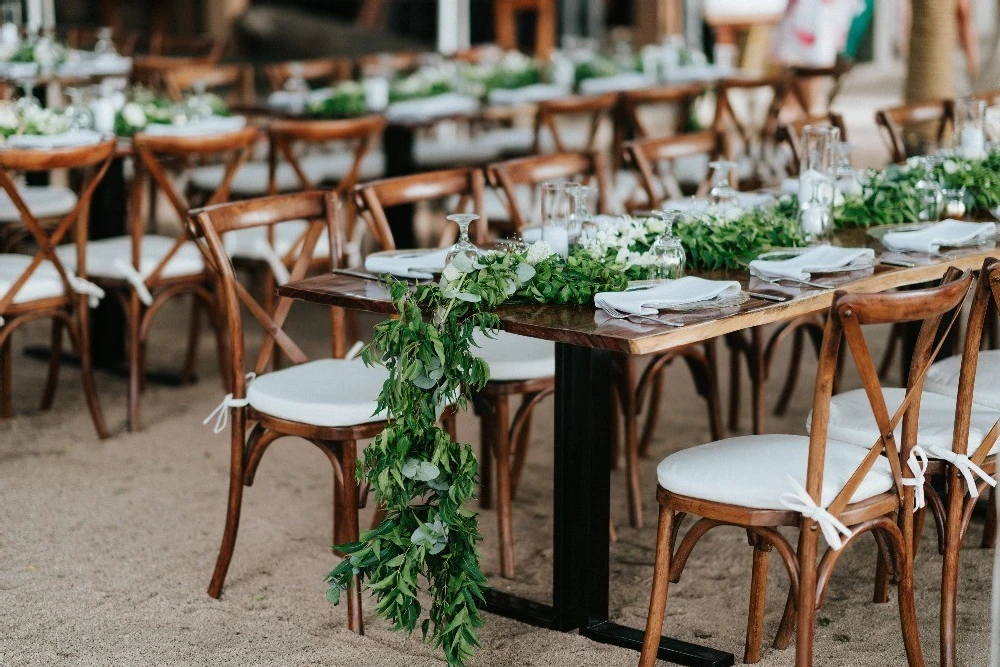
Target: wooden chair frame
<point>69,311</point>
<point>82,37</point>
<point>323,71</point>
<point>206,49</point>
<point>647,157</point>
<point>888,516</point>
<point>339,444</point>
<point>598,109</point>
<point>892,123</point>
<point>236,81</point>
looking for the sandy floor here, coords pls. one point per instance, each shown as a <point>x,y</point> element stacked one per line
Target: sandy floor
<point>107,547</point>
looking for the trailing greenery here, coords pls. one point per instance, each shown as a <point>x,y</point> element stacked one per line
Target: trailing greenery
<point>346,100</point>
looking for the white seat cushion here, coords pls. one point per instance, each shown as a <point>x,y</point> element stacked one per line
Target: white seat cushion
<point>454,153</point>
<point>252,243</point>
<point>101,256</point>
<point>508,140</point>
<point>335,165</point>
<point>43,283</point>
<point>44,201</point>
<point>851,419</point>
<point>327,392</point>
<point>751,471</point>
<point>513,357</point>
<point>252,178</point>
<point>942,378</point>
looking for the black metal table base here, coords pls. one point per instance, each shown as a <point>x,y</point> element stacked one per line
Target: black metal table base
<point>671,650</point>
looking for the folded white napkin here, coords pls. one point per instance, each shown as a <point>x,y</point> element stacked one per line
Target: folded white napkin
<point>696,72</point>
<point>18,70</point>
<point>538,92</point>
<point>429,107</point>
<point>682,291</point>
<point>945,233</point>
<point>67,139</point>
<point>815,260</point>
<point>88,64</point>
<point>417,264</point>
<point>616,82</point>
<point>198,128</point>
<point>288,98</point>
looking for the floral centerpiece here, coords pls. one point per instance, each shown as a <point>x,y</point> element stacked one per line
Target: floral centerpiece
<point>30,121</point>
<point>346,100</point>
<point>146,108</point>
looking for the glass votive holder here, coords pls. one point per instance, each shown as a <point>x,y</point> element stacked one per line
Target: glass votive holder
<point>929,193</point>
<point>954,203</point>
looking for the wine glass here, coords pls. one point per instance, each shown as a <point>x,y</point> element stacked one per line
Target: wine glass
<point>199,106</point>
<point>815,214</point>
<point>847,178</point>
<point>463,247</point>
<point>105,45</point>
<point>28,102</point>
<point>667,249</point>
<point>78,115</point>
<point>582,217</point>
<point>723,197</point>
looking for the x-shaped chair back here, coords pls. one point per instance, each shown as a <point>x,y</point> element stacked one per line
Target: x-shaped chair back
<point>938,309</point>
<point>895,122</point>
<point>468,184</point>
<point>323,71</point>
<point>155,152</point>
<point>638,105</point>
<point>93,161</point>
<point>233,83</point>
<point>586,167</point>
<point>207,226</point>
<point>791,134</point>
<point>204,48</point>
<point>553,114</point>
<point>653,160</point>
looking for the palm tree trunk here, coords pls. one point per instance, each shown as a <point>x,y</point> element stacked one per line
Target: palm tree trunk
<point>932,48</point>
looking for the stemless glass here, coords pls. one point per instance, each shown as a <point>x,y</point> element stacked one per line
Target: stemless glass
<point>28,101</point>
<point>820,144</point>
<point>929,193</point>
<point>105,45</point>
<point>667,249</point>
<point>970,136</point>
<point>723,197</point>
<point>558,203</point>
<point>78,115</point>
<point>463,247</point>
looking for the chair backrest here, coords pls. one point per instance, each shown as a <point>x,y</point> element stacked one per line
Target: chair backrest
<point>93,162</point>
<point>791,134</point>
<point>585,166</point>
<point>397,61</point>
<point>653,160</point>
<point>207,226</point>
<point>804,78</point>
<point>506,18</point>
<point>86,37</point>
<point>898,125</point>
<point>937,309</point>
<point>156,156</point>
<point>553,115</point>
<point>233,83</point>
<point>991,97</point>
<point>635,102</point>
<point>466,184</point>
<point>207,49</point>
<point>319,71</point>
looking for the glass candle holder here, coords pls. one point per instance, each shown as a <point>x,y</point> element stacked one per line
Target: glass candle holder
<point>558,205</point>
<point>953,203</point>
<point>970,134</point>
<point>929,193</point>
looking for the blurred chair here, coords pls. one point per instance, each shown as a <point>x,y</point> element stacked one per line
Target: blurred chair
<point>914,129</point>
<point>232,83</point>
<point>654,162</point>
<point>85,38</point>
<point>572,123</point>
<point>45,285</point>
<point>317,71</point>
<point>206,49</point>
<point>506,18</point>
<point>806,81</point>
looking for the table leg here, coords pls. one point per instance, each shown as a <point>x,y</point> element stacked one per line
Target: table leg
<point>582,499</point>
<point>107,219</point>
<point>398,142</point>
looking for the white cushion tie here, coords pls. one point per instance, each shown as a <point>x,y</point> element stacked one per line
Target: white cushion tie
<point>83,286</point>
<point>965,466</point>
<point>798,500</point>
<point>135,279</point>
<point>352,253</point>
<point>917,463</point>
<point>267,252</point>
<point>353,352</point>
<point>221,411</point>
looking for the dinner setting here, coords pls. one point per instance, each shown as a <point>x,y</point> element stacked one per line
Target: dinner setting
<point>629,333</point>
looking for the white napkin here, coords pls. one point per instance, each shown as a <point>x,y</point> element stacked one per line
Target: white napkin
<point>616,82</point>
<point>682,291</point>
<point>537,92</point>
<point>945,233</point>
<point>408,264</point>
<point>198,128</point>
<point>18,70</point>
<point>429,107</point>
<point>696,72</point>
<point>67,139</point>
<point>815,260</point>
<point>288,98</point>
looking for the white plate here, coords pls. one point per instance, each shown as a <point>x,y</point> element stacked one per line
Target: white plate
<point>880,231</point>
<point>788,253</point>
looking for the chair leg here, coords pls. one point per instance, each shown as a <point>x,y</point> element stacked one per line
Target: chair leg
<point>501,441</point>
<point>990,529</point>
<point>907,605</point>
<point>345,527</point>
<point>486,448</point>
<point>630,418</point>
<point>6,379</point>
<point>134,320</point>
<point>786,628</point>
<point>221,333</point>
<point>806,607</point>
<point>712,398</point>
<point>55,359</point>
<point>87,376</point>
<point>653,413</point>
<point>194,336</point>
<point>758,598</point>
<point>758,377</point>
<point>735,386</point>
<point>658,596</point>
<point>949,568</point>
<point>233,507</point>
<point>788,389</point>
<point>883,577</point>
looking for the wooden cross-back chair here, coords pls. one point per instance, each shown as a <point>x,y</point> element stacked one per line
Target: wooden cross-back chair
<point>145,271</point>
<point>991,97</point>
<point>902,126</point>
<point>233,83</point>
<point>86,37</point>
<point>588,167</point>
<point>506,19</point>
<point>397,61</point>
<point>791,134</point>
<point>320,71</point>
<point>803,78</point>
<point>329,402</point>
<point>51,284</point>
<point>207,49</point>
<point>552,116</point>
<point>519,366</point>
<point>634,104</point>
<point>756,482</point>
<point>653,160</point>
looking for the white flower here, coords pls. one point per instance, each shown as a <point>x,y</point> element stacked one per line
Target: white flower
<point>950,166</point>
<point>8,117</point>
<point>134,115</point>
<point>656,225</point>
<point>537,252</point>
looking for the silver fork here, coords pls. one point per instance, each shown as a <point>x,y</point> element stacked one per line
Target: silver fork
<point>775,281</point>
<point>620,315</point>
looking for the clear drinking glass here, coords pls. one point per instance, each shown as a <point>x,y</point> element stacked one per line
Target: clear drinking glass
<point>970,135</point>
<point>723,197</point>
<point>105,45</point>
<point>816,214</point>
<point>820,147</point>
<point>295,83</point>
<point>558,204</point>
<point>198,105</point>
<point>847,178</point>
<point>464,246</point>
<point>953,202</point>
<point>929,193</point>
<point>667,249</point>
<point>78,114</point>
<point>583,218</point>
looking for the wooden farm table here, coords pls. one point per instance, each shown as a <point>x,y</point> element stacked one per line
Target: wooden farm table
<point>585,342</point>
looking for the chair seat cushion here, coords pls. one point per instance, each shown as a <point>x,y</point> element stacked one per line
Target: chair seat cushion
<point>44,201</point>
<point>251,179</point>
<point>102,256</point>
<point>751,471</point>
<point>851,419</point>
<point>326,392</point>
<point>513,357</point>
<point>942,378</point>
<point>252,243</point>
<point>43,283</point>
<point>431,152</point>
<point>335,165</point>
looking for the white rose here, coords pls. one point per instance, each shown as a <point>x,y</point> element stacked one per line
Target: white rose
<point>537,252</point>
<point>8,116</point>
<point>133,114</point>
